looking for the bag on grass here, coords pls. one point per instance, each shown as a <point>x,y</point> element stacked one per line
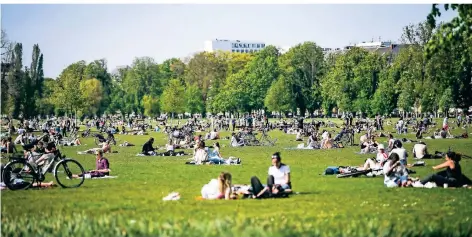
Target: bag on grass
<point>331,170</point>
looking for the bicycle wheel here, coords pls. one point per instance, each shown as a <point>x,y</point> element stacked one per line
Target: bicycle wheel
<point>18,175</point>
<point>64,171</point>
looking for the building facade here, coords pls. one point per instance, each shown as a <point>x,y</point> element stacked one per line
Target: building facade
<point>235,46</point>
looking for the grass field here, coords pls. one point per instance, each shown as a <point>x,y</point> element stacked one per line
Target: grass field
<point>131,205</point>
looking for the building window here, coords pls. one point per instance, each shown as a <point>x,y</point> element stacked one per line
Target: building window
<point>253,45</point>
<point>240,45</point>
<point>233,50</point>
<point>258,46</point>
<point>247,51</point>
<point>235,45</point>
<point>262,45</point>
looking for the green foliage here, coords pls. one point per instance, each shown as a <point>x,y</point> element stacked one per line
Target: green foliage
<point>194,100</point>
<point>92,92</point>
<point>172,99</point>
<point>280,97</point>
<point>151,105</point>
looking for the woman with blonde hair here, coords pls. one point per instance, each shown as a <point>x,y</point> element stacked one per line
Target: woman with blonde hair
<point>220,188</point>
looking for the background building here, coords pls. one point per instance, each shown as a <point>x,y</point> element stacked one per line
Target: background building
<point>235,46</point>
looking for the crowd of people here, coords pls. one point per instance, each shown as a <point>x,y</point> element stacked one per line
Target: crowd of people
<point>391,160</point>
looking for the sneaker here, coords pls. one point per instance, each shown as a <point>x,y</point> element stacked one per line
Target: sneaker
<point>417,184</point>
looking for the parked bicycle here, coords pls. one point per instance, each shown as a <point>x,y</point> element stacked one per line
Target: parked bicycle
<point>21,174</point>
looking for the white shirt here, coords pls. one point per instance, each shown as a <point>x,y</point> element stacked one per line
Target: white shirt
<point>401,152</point>
<point>419,150</point>
<point>445,122</point>
<point>381,157</point>
<point>398,171</point>
<point>213,135</point>
<point>363,138</point>
<point>325,135</point>
<point>169,147</point>
<point>279,174</point>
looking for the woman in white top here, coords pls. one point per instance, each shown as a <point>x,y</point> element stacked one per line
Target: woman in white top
<point>379,161</point>
<point>201,155</point>
<point>219,188</point>
<point>235,142</point>
<point>395,173</point>
<point>278,182</point>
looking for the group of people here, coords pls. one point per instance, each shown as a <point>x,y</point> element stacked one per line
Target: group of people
<point>278,184</point>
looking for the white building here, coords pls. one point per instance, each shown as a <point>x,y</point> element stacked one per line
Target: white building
<point>235,46</point>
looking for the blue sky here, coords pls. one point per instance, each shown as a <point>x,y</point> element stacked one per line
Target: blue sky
<point>119,33</point>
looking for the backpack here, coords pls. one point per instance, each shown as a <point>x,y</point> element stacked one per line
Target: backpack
<point>331,170</point>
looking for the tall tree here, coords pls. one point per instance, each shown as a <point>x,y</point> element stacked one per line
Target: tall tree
<point>303,66</point>
<point>172,99</point>
<point>280,97</point>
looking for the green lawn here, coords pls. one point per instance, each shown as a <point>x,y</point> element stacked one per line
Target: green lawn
<point>131,205</point>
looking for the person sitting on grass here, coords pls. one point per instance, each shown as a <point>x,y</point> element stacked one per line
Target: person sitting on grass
<point>216,158</point>
<point>379,161</point>
<point>401,152</point>
<point>8,146</point>
<point>102,167</point>
<point>220,188</point>
<point>329,143</point>
<point>452,176</point>
<point>214,135</point>
<point>391,140</point>
<point>420,151</point>
<point>369,146</point>
<point>235,142</point>
<point>395,172</point>
<point>313,141</point>
<point>278,182</point>
<point>106,148</point>
<point>201,155</point>
<point>147,148</point>
<point>299,136</point>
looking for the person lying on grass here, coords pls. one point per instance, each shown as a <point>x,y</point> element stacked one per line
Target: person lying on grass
<point>126,144</point>
<point>452,176</point>
<point>220,188</point>
<point>106,148</point>
<point>102,167</point>
<point>278,182</point>
<point>395,172</point>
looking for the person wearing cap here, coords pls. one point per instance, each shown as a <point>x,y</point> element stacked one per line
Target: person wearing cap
<point>379,161</point>
<point>278,182</point>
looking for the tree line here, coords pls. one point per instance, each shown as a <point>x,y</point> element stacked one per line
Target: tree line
<point>433,73</point>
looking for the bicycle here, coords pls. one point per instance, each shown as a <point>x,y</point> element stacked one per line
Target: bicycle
<point>19,173</point>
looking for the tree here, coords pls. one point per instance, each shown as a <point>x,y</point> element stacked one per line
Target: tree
<point>172,99</point>
<point>455,32</point>
<point>280,97</point>
<point>446,102</point>
<point>92,95</point>
<point>303,66</point>
<point>262,71</point>
<point>151,105</point>
<point>194,100</point>
<point>67,95</point>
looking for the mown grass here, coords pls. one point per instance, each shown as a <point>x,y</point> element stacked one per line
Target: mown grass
<point>131,205</point>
